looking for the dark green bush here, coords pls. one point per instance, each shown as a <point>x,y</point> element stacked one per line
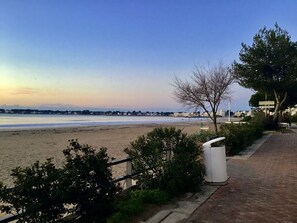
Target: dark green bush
<point>236,137</point>
<point>246,119</point>
<point>260,123</point>
<point>168,160</point>
<point>134,203</point>
<point>204,136</point>
<point>293,118</point>
<point>239,136</point>
<point>42,192</point>
<point>88,182</point>
<point>182,174</point>
<point>36,193</point>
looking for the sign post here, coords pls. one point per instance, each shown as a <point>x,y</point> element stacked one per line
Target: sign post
<point>266,105</point>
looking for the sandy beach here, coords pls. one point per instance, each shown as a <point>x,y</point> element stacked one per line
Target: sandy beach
<point>24,147</point>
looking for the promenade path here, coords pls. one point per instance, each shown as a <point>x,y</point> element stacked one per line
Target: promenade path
<point>262,188</point>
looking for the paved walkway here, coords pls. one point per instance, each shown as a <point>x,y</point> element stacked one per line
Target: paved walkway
<point>262,188</point>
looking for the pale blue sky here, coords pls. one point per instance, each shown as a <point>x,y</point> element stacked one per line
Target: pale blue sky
<point>123,54</point>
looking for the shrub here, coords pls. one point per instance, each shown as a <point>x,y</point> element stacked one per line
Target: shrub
<point>168,160</point>
<point>42,192</point>
<point>239,136</point>
<point>236,138</point>
<point>182,174</point>
<point>204,136</point>
<point>88,182</point>
<point>293,118</point>
<point>36,193</point>
<point>135,202</point>
<point>246,119</point>
<point>259,122</point>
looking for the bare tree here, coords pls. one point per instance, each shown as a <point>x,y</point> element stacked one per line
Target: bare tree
<point>208,87</point>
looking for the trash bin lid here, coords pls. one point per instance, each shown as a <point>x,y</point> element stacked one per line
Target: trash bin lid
<point>208,143</point>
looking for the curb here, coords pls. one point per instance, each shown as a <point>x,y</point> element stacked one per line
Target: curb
<point>185,208</point>
<point>249,151</point>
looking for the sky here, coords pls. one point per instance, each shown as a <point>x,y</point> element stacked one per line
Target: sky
<point>124,54</point>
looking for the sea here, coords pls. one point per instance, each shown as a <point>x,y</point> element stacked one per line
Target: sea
<point>33,121</point>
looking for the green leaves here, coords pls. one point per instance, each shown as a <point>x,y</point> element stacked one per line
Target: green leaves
<point>36,192</point>
<point>269,63</point>
<point>135,202</point>
<point>89,183</point>
<point>239,136</point>
<point>44,193</point>
<point>168,160</point>
<point>269,66</point>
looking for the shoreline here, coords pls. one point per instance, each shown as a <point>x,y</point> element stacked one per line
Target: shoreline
<point>22,122</point>
<point>24,147</point>
<point>9,128</point>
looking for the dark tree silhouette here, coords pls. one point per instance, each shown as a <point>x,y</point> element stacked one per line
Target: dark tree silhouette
<point>269,65</point>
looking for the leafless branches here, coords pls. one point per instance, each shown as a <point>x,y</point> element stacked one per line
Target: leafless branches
<point>208,87</point>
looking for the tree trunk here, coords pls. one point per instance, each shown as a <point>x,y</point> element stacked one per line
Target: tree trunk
<point>215,121</point>
<point>278,105</point>
<point>216,126</point>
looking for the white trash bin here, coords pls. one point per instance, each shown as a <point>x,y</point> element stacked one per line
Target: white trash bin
<point>215,162</point>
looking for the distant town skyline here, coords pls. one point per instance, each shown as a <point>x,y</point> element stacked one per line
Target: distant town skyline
<point>124,54</point>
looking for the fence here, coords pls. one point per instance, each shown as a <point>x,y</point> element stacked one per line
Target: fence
<point>129,172</point>
<point>127,178</point>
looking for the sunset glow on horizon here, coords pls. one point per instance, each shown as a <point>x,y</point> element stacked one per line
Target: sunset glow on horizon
<point>123,54</point>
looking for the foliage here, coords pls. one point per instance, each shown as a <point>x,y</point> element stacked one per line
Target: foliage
<point>168,160</point>
<point>134,203</point>
<point>36,193</point>
<point>246,119</point>
<point>239,136</point>
<point>206,91</point>
<point>42,192</point>
<point>184,173</point>
<point>88,182</point>
<point>260,122</point>
<point>269,65</point>
<point>293,118</point>
<point>204,136</point>
<point>260,96</point>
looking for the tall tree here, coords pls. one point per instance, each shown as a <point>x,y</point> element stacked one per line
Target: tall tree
<point>260,96</point>
<point>209,86</point>
<point>269,65</point>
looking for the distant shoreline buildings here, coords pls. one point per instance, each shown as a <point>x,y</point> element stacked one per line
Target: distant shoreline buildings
<point>83,112</point>
<point>220,113</point>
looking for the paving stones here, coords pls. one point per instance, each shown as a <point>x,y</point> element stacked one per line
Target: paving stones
<point>261,188</point>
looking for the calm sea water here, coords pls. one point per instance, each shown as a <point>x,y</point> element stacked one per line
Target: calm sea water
<point>18,121</point>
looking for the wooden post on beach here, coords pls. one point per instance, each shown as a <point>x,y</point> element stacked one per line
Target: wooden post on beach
<point>128,172</point>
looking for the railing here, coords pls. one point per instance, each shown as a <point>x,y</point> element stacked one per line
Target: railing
<point>8,218</point>
<point>127,178</point>
<point>129,172</point>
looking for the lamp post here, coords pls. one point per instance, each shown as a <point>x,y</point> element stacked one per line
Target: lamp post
<point>229,105</point>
